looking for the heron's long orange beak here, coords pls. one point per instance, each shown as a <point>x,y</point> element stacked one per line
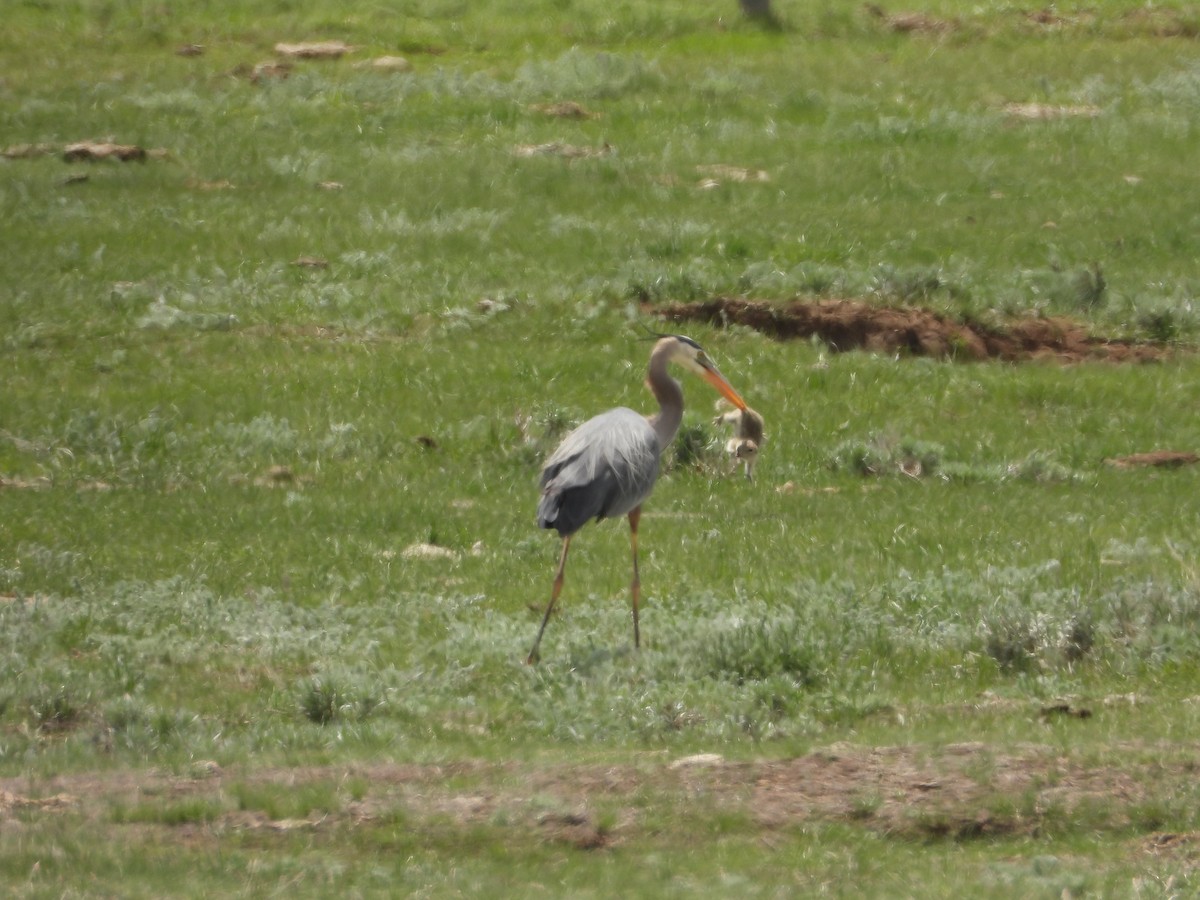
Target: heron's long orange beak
<point>717,380</point>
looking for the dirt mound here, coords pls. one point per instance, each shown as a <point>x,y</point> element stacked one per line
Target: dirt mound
<point>857,325</point>
<point>1165,459</point>
<point>956,791</point>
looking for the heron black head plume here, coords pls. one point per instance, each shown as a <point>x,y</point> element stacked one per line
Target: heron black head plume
<point>652,335</point>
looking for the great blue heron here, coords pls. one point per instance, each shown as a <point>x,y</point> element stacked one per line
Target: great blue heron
<point>747,440</point>
<point>608,465</point>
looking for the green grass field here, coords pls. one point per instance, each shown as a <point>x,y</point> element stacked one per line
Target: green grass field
<point>275,398</point>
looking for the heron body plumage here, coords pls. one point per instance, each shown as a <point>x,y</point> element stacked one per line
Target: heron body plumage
<point>607,466</point>
<point>603,469</point>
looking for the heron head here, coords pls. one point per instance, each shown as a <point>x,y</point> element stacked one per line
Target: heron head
<point>691,356</point>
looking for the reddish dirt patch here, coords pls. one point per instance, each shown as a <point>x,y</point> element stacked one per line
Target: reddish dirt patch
<point>1184,846</point>
<point>959,791</point>
<point>1168,459</point>
<point>314,50</point>
<point>963,791</point>
<point>90,151</point>
<point>10,801</point>
<point>911,22</point>
<point>857,325</point>
<point>1161,22</point>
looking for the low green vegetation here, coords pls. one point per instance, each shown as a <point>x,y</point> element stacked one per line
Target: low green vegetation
<point>274,398</point>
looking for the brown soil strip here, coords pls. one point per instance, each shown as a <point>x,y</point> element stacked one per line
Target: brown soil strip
<point>314,50</point>
<point>90,151</point>
<point>857,325</point>
<point>910,22</point>
<point>959,791</point>
<point>556,148</point>
<point>1169,459</point>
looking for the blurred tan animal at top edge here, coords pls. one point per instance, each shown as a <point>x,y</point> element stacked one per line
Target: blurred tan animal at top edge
<point>747,441</point>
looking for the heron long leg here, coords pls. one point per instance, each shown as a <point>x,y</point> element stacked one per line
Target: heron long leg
<point>635,587</point>
<point>557,589</point>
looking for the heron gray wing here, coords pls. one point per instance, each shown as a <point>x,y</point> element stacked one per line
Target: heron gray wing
<point>602,469</point>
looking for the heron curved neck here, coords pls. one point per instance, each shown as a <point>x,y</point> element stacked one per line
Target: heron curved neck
<point>667,392</point>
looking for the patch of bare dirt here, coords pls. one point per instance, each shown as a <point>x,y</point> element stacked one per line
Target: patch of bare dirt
<point>1172,844</point>
<point>388,64</point>
<point>310,262</point>
<point>857,325</point>
<point>91,151</point>
<point>28,151</point>
<point>1044,112</point>
<point>268,71</point>
<point>56,802</point>
<point>717,174</point>
<point>960,791</point>
<point>277,476</point>
<point>86,151</point>
<point>564,109</point>
<point>1169,459</point>
<point>1047,16</point>
<point>557,148</point>
<point>577,829</point>
<point>1163,21</point>
<point>220,184</point>
<point>314,49</point>
<point>1155,20</point>
<point>40,483</point>
<point>910,22</point>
